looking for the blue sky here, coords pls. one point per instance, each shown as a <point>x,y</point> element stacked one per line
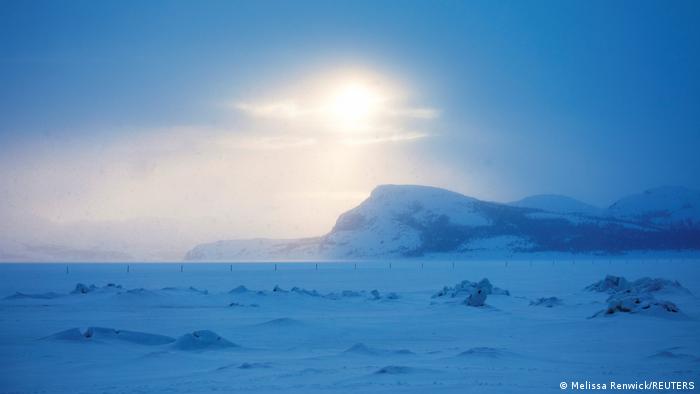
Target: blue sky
<point>101,101</point>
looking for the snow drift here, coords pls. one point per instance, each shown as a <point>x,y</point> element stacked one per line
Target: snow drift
<point>637,296</point>
<point>466,288</point>
<point>103,334</point>
<point>202,340</point>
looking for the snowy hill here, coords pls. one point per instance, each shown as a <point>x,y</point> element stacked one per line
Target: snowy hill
<point>664,206</point>
<point>557,203</point>
<point>398,220</point>
<point>409,220</point>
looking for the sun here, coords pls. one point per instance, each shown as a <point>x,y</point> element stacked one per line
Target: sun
<point>353,104</point>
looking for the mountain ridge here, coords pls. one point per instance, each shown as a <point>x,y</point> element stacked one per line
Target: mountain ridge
<point>416,220</point>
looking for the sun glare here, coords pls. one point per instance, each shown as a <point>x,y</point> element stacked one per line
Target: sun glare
<point>353,104</point>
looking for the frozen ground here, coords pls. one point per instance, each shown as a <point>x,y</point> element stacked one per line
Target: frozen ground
<point>205,339</point>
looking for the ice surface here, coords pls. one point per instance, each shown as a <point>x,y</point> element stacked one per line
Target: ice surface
<point>327,333</point>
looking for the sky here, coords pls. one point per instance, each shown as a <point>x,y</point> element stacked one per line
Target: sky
<point>147,127</point>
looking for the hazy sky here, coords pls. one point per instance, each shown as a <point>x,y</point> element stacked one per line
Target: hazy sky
<point>146,127</point>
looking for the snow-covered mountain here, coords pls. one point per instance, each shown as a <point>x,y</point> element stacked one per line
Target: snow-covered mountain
<point>409,220</point>
<point>557,203</point>
<point>663,206</point>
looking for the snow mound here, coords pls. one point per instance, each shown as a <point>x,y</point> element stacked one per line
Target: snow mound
<point>279,290</point>
<point>637,296</point>
<point>644,303</point>
<point>466,288</point>
<point>475,292</point>
<point>669,355</point>
<point>81,288</point>
<point>41,296</point>
<point>239,290</point>
<point>190,290</point>
<point>647,284</point>
<point>238,304</point>
<point>610,284</point>
<point>394,370</point>
<point>391,296</point>
<point>372,295</point>
<point>345,294</point>
<point>477,298</point>
<point>364,350</point>
<point>615,284</point>
<point>139,292</point>
<point>282,322</point>
<point>486,352</point>
<point>376,295</point>
<point>141,338</point>
<point>547,302</point>
<point>71,334</point>
<point>361,348</point>
<point>253,365</point>
<point>302,291</point>
<point>202,340</point>
<point>103,334</point>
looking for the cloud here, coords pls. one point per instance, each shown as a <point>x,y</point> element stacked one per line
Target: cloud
<point>417,113</point>
<point>345,110</point>
<point>285,166</point>
<point>396,137</point>
<point>276,142</point>
<point>154,193</point>
<point>275,109</point>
